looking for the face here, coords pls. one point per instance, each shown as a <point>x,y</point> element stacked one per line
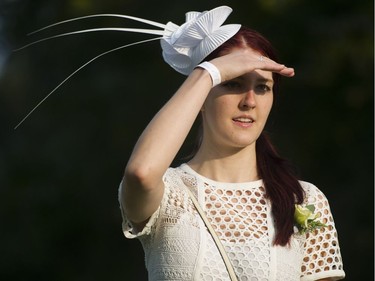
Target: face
<point>236,111</point>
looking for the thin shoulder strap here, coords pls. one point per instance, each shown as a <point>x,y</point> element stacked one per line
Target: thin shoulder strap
<point>217,241</point>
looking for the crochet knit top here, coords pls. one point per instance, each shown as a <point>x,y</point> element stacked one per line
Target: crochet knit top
<point>178,246</point>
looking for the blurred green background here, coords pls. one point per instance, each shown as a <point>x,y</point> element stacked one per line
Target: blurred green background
<point>60,170</point>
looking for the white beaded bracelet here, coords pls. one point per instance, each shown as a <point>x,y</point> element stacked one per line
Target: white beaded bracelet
<point>213,71</point>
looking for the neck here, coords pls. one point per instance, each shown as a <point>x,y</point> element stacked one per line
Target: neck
<point>235,165</point>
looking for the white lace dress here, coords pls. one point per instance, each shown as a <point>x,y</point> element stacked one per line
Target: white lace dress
<point>177,245</point>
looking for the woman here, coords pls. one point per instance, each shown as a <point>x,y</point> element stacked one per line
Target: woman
<point>246,190</point>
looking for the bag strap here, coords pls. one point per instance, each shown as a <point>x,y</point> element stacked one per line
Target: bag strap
<point>216,239</point>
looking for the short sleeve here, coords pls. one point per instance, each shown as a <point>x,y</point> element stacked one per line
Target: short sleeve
<point>322,257</point>
<point>127,226</point>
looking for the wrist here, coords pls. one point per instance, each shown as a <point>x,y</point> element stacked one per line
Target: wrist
<point>212,71</point>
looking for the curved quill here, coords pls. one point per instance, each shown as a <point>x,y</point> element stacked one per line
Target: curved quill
<point>183,46</point>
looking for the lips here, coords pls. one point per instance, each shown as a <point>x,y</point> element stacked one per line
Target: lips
<point>243,119</point>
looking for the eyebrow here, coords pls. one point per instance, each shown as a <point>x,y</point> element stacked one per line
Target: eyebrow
<point>265,80</point>
<point>258,79</point>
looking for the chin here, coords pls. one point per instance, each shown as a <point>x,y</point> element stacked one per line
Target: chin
<point>243,143</point>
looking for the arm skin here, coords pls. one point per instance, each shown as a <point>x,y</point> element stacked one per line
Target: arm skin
<point>159,143</point>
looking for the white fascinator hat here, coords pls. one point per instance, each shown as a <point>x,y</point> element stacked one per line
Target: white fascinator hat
<point>183,47</point>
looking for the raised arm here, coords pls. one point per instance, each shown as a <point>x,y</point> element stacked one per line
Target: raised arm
<point>156,148</point>
<point>158,145</point>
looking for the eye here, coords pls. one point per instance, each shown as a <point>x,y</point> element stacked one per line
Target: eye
<point>263,88</point>
<point>231,85</point>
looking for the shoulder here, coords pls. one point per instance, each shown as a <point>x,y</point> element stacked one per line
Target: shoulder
<point>312,193</point>
<point>308,186</point>
<point>172,174</point>
<point>176,181</point>
<point>179,175</point>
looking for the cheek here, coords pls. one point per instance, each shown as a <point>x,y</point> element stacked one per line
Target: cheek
<point>268,103</point>
<point>215,114</point>
<point>266,107</point>
<point>216,108</point>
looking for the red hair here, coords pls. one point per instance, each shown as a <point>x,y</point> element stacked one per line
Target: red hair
<point>249,38</point>
<point>281,183</point>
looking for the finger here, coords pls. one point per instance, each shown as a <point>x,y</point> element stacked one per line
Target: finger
<point>268,64</point>
<point>287,71</point>
<point>274,67</point>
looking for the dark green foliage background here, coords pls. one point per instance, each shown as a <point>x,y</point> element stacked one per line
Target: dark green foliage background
<point>59,172</point>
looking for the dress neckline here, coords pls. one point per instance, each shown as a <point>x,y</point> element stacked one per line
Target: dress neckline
<point>251,184</point>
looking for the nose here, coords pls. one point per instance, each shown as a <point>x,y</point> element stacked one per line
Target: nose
<point>248,100</point>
